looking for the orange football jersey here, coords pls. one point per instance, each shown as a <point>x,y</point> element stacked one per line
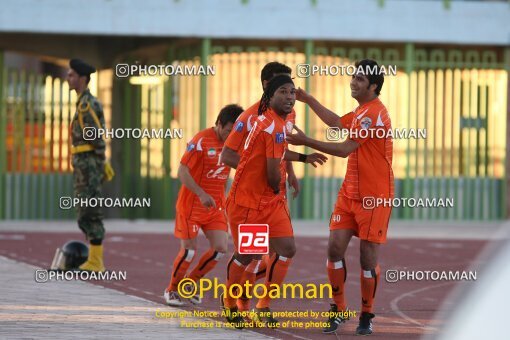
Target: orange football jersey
<point>202,159</point>
<point>369,172</point>
<point>265,140</point>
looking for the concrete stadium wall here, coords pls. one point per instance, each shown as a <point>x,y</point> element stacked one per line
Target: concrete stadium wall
<point>472,22</point>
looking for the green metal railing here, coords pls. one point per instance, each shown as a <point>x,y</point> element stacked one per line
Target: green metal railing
<point>458,94</point>
<point>423,168</point>
<point>35,163</point>
<point>34,145</point>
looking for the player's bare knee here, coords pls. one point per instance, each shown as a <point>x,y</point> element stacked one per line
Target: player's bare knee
<point>368,255</point>
<point>288,252</point>
<point>244,259</point>
<point>220,248</point>
<point>338,243</point>
<point>335,252</point>
<point>334,257</point>
<point>367,247</point>
<point>189,244</point>
<point>285,247</point>
<point>368,264</point>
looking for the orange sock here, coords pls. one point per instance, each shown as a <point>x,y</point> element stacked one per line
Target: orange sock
<point>337,273</point>
<point>207,262</point>
<point>180,267</point>
<point>249,276</point>
<point>369,281</point>
<point>235,271</point>
<point>276,272</point>
<point>261,273</point>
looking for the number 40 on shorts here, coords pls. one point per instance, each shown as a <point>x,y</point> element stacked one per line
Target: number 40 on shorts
<point>253,239</point>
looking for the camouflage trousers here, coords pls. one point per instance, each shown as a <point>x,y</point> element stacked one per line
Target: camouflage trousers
<point>87,178</point>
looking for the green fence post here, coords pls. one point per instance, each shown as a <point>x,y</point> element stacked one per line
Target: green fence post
<point>409,67</point>
<point>204,59</point>
<point>168,109</point>
<point>505,193</point>
<point>126,144</point>
<point>139,182</point>
<point>21,114</point>
<point>30,176</point>
<point>307,181</point>
<point>49,195</point>
<point>3,136</point>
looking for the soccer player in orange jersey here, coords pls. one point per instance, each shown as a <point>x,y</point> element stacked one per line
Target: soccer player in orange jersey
<point>369,177</point>
<point>201,202</point>
<point>232,152</point>
<point>234,144</point>
<point>257,197</point>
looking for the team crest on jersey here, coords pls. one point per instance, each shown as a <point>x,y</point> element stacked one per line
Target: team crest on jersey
<point>365,123</point>
<point>280,137</point>
<point>211,152</point>
<point>190,147</point>
<point>217,173</point>
<point>289,126</point>
<point>239,126</point>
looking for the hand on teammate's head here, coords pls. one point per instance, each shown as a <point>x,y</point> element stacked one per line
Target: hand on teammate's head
<point>301,95</point>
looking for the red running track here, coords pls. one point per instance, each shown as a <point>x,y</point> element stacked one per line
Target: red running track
<point>404,310</point>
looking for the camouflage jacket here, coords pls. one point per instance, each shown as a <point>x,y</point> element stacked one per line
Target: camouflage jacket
<point>89,113</point>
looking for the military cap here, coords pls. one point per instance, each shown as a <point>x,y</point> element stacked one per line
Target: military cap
<point>81,67</point>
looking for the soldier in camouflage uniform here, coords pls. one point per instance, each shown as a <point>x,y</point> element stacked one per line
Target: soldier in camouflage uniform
<point>88,161</point>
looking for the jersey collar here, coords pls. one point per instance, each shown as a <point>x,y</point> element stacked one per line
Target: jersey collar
<point>271,113</point>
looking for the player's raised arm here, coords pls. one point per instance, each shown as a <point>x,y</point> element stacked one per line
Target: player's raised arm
<point>229,157</point>
<point>188,181</point>
<point>343,149</point>
<point>326,115</point>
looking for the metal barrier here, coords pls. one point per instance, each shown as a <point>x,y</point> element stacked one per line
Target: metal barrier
<point>459,95</point>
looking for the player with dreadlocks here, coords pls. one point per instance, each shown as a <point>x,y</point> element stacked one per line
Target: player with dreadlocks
<point>264,103</point>
<point>257,197</point>
<point>234,145</point>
